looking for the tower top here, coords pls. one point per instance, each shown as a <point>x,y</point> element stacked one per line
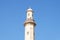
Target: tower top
<point>29,9</point>
<point>29,18</point>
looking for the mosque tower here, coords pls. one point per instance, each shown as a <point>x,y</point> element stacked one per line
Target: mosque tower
<point>29,25</point>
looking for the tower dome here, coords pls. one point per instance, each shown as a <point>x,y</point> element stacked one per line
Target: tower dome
<point>29,10</point>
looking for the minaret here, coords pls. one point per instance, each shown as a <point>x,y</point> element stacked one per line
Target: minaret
<point>29,25</point>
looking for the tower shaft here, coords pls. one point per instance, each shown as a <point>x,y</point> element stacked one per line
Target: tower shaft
<point>29,32</point>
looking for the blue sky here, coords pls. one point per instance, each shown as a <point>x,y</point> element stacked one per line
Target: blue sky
<point>46,15</point>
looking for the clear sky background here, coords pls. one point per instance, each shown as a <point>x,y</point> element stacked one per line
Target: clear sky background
<point>46,15</point>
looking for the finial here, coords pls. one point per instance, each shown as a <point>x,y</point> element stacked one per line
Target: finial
<point>29,6</point>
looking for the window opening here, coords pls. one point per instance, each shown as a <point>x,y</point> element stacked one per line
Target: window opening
<point>27,33</point>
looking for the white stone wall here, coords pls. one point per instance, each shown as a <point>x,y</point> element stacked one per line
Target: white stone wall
<point>29,31</point>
